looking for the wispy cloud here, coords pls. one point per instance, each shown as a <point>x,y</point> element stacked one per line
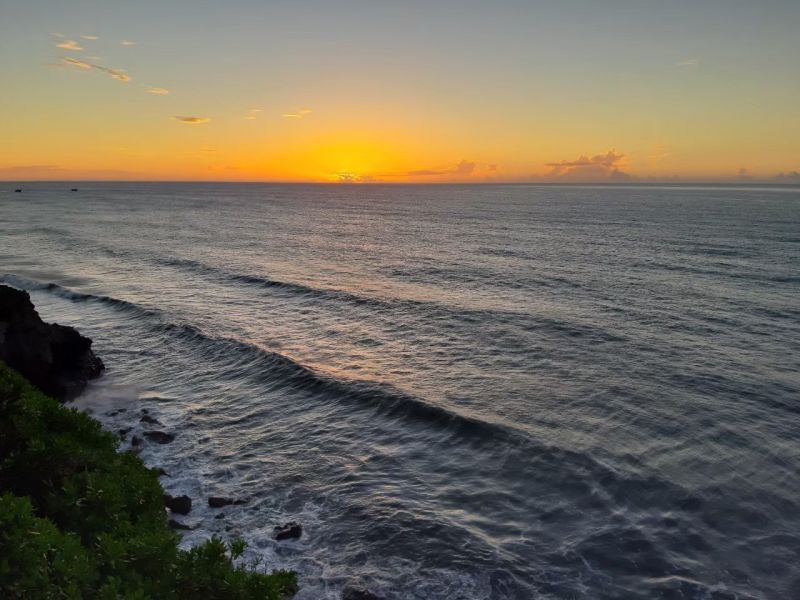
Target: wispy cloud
<point>158,91</point>
<point>463,168</point>
<point>57,172</point>
<point>349,177</point>
<point>28,168</point>
<point>689,62</point>
<point>191,120</point>
<point>117,74</point>
<point>252,114</point>
<point>69,45</point>
<point>589,168</point>
<point>790,177</point>
<point>300,114</point>
<point>127,43</point>
<point>89,37</point>
<point>76,63</point>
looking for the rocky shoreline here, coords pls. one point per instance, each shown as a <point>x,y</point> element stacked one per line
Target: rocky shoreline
<point>55,358</point>
<point>60,362</point>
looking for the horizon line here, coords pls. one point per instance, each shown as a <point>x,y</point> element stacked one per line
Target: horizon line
<point>704,182</point>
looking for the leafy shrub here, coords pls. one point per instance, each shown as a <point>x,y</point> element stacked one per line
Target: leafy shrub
<point>80,520</point>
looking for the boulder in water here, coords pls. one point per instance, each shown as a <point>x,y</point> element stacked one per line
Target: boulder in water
<point>178,504</point>
<point>288,531</point>
<point>355,592</point>
<point>220,501</point>
<point>160,437</point>
<point>178,525</point>
<point>55,358</point>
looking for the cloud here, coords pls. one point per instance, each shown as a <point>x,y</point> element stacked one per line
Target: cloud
<point>492,167</point>
<point>57,172</point>
<point>595,168</point>
<point>77,63</point>
<point>303,112</point>
<point>790,177</point>
<point>425,172</point>
<point>689,62</point>
<point>158,91</point>
<point>69,45</point>
<point>127,43</point>
<point>463,168</point>
<point>192,120</point>
<point>22,169</point>
<point>117,74</point>
<point>348,177</point>
<point>89,37</point>
<point>252,114</point>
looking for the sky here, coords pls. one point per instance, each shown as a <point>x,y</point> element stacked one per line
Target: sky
<point>414,91</point>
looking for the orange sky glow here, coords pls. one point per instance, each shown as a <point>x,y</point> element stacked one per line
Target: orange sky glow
<point>512,93</point>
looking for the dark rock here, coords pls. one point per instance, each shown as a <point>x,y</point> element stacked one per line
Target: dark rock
<point>136,441</point>
<point>149,419</point>
<point>178,504</point>
<point>125,431</point>
<point>288,531</point>
<point>178,525</point>
<point>55,358</point>
<point>160,437</point>
<point>160,472</point>
<point>18,190</point>
<point>220,516</point>
<point>220,501</point>
<point>352,592</point>
<point>74,190</point>
<point>175,524</point>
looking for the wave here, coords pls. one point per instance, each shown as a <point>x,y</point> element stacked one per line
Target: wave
<point>432,308</point>
<point>28,284</point>
<point>281,372</point>
<point>720,273</point>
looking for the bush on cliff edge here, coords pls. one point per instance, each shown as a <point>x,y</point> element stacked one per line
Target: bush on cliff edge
<point>80,520</point>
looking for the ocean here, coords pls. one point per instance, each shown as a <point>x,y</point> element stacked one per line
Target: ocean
<point>461,392</point>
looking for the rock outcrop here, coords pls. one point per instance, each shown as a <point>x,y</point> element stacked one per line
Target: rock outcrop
<point>159,437</point>
<point>55,358</point>
<point>178,504</point>
<point>289,531</point>
<point>356,592</point>
<point>220,501</point>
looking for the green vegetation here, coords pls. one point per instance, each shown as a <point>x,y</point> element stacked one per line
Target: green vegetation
<point>80,520</point>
